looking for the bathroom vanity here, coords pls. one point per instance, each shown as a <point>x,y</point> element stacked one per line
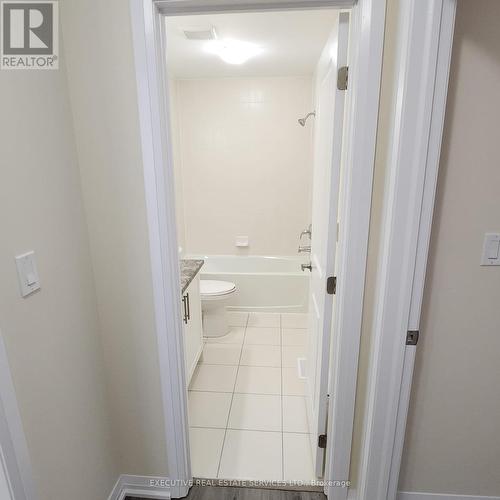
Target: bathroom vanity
<point>191,313</point>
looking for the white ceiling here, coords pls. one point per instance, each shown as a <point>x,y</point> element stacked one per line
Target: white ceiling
<point>291,41</point>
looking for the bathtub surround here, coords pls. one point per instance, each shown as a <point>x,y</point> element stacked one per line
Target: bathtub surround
<point>245,162</point>
<point>189,269</point>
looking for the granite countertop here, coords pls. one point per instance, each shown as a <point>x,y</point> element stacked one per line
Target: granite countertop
<point>189,269</point>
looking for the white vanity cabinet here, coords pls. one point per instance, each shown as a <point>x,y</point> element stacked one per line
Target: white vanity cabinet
<point>191,320</point>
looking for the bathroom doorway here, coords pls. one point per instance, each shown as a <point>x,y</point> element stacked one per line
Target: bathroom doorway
<point>365,48</point>
<point>257,120</point>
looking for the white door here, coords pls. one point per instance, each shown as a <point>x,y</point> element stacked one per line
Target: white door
<point>328,131</point>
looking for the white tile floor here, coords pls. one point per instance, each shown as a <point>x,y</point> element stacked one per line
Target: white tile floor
<point>246,402</point>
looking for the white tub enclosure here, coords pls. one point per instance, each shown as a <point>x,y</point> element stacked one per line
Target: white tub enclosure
<point>265,284</point>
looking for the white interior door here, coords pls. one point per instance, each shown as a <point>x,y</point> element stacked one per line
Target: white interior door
<point>328,132</point>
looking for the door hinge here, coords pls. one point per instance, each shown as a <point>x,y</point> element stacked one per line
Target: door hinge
<point>331,285</point>
<point>412,337</point>
<point>342,78</point>
<point>322,441</point>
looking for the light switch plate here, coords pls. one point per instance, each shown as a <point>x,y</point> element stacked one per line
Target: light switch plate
<point>27,272</point>
<point>491,250</point>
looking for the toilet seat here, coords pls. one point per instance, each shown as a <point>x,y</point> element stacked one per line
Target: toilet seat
<point>210,289</point>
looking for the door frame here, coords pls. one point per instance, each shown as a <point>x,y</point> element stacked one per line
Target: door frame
<point>425,39</point>
<point>366,44</point>
<point>14,456</point>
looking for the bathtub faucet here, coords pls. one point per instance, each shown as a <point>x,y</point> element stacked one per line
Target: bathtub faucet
<point>306,266</point>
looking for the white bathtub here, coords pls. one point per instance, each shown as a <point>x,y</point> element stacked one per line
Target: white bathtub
<point>267,284</point>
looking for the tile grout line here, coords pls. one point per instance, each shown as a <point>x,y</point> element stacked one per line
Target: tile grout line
<point>247,366</point>
<point>242,393</point>
<point>239,343</point>
<point>246,429</point>
<point>232,398</point>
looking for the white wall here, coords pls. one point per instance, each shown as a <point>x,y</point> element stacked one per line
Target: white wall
<point>246,163</point>
<point>52,337</point>
<point>101,76</point>
<point>177,160</point>
<point>453,434</point>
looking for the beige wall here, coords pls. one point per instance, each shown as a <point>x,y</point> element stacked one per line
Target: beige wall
<point>453,434</point>
<point>246,163</point>
<point>101,77</point>
<point>51,337</point>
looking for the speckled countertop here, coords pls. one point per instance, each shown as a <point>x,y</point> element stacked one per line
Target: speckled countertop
<point>189,269</point>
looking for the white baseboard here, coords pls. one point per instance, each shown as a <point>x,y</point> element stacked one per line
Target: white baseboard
<point>410,495</point>
<point>140,486</point>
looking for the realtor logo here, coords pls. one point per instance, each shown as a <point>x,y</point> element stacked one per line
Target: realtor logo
<point>29,38</point>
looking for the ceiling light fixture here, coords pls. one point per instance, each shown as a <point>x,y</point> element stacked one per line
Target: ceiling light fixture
<point>233,51</point>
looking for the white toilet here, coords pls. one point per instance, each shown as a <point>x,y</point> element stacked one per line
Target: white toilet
<point>215,296</point>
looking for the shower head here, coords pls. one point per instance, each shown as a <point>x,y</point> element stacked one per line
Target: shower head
<point>302,121</point>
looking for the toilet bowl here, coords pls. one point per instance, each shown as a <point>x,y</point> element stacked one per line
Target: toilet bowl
<point>215,296</point>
